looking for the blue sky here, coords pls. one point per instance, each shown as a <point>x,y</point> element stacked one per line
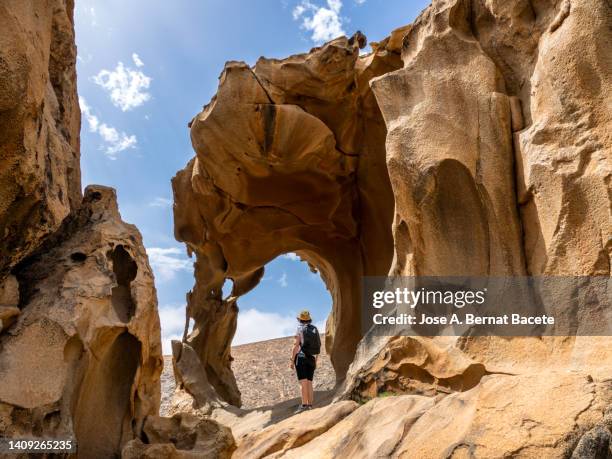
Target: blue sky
<point>145,68</point>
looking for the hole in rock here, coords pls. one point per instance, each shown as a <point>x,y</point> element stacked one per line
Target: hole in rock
<point>102,416</point>
<point>78,257</point>
<point>266,326</point>
<point>125,269</point>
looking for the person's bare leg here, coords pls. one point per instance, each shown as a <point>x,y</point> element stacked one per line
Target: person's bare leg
<point>310,393</point>
<point>304,384</point>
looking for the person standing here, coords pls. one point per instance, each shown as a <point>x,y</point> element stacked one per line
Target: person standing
<point>304,356</point>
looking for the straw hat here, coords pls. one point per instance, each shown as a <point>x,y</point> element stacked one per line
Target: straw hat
<point>304,315</point>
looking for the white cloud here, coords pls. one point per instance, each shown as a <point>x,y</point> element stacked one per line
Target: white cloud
<point>291,256</point>
<point>167,262</point>
<point>92,12</point>
<point>126,86</point>
<point>115,141</point>
<point>137,60</point>
<point>172,320</point>
<point>325,23</point>
<point>85,59</point>
<point>282,281</point>
<point>360,2</point>
<point>161,202</point>
<point>255,325</point>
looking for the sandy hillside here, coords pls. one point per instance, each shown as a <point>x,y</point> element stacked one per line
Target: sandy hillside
<point>262,372</point>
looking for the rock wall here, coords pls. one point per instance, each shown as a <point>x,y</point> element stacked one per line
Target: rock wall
<point>83,358</point>
<point>498,149</point>
<point>498,145</point>
<point>289,158</point>
<point>80,346</point>
<point>40,121</point>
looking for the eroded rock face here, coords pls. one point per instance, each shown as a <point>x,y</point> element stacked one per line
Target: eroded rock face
<point>182,436</point>
<point>289,158</point>
<point>536,415</point>
<point>39,124</point>
<point>373,430</point>
<point>83,358</point>
<point>498,152</point>
<point>412,364</point>
<point>496,97</point>
<point>283,436</point>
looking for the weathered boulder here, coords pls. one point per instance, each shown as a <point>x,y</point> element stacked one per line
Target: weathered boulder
<point>542,414</point>
<point>40,122</point>
<point>293,432</point>
<point>413,365</point>
<point>83,358</point>
<point>290,157</point>
<point>182,436</point>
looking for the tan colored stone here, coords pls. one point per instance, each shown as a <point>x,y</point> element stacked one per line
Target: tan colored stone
<point>191,377</point>
<point>415,365</point>
<point>293,432</point>
<point>535,415</point>
<point>9,292</point>
<point>182,436</point>
<point>289,158</point>
<point>39,124</point>
<point>373,430</point>
<point>500,105</point>
<point>83,358</point>
<point>9,302</point>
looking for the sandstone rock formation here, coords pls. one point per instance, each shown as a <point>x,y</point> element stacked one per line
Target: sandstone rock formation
<point>80,351</point>
<point>39,124</point>
<point>180,437</point>
<point>544,415</point>
<point>475,141</point>
<point>83,358</point>
<point>507,118</point>
<point>373,430</point>
<point>293,432</point>
<point>290,158</point>
<point>535,415</point>
<point>522,124</point>
<point>497,128</point>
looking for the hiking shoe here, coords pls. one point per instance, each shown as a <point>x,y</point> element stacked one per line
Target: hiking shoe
<point>301,408</point>
<point>309,407</point>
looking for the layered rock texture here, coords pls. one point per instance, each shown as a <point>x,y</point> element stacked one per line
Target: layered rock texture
<point>481,135</point>
<point>39,124</point>
<point>290,158</point>
<point>83,358</point>
<point>80,351</point>
<point>475,141</point>
<point>182,436</point>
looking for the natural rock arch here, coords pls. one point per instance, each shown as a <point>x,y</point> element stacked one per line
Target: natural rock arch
<point>290,157</point>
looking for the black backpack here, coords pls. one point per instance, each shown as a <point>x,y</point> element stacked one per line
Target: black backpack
<point>311,344</point>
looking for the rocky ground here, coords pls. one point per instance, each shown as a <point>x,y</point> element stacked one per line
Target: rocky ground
<point>262,373</point>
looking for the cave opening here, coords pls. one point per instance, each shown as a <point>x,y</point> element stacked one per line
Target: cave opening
<point>266,324</point>
<point>288,286</point>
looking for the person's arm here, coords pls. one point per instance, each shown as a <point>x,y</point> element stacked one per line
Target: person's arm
<point>296,349</point>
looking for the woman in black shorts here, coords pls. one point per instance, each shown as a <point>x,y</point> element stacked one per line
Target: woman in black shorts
<point>303,363</point>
